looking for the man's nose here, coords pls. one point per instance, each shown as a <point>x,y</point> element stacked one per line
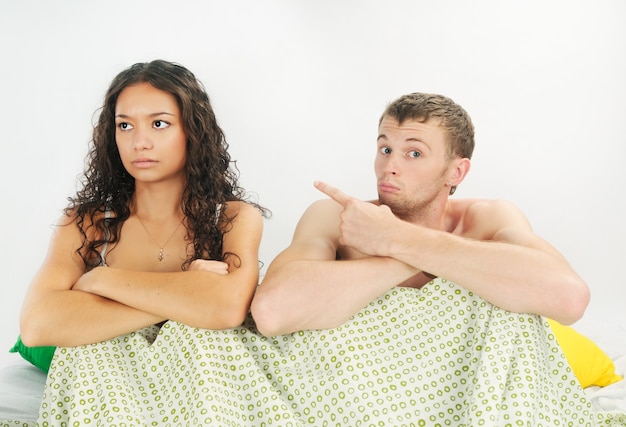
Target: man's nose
<point>391,165</point>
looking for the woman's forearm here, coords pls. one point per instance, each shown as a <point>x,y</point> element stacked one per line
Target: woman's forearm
<point>72,317</point>
<point>199,298</point>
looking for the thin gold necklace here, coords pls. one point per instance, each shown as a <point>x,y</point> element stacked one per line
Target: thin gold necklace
<point>161,247</point>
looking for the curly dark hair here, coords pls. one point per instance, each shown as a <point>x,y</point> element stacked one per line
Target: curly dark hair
<point>210,175</point>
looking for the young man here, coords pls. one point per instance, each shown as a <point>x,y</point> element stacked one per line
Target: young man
<point>345,252</point>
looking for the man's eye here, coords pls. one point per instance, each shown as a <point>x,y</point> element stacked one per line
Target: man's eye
<point>124,126</point>
<point>160,124</point>
<point>414,154</point>
<point>385,150</point>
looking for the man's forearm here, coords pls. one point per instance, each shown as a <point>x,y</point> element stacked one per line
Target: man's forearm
<point>511,276</point>
<point>322,294</point>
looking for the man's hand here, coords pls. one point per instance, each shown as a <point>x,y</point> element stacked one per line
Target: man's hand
<point>364,226</point>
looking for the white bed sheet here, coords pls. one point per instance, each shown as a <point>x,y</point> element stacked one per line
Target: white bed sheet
<point>21,384</point>
<point>611,338</point>
<point>21,388</point>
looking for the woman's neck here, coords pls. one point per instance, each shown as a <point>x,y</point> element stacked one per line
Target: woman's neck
<point>154,202</point>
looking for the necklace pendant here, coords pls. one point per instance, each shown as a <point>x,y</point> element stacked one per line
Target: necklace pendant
<point>161,255</point>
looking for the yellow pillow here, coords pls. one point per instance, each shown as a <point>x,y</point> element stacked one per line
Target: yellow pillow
<point>590,364</point>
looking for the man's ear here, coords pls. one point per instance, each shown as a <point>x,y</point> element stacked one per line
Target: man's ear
<point>459,169</point>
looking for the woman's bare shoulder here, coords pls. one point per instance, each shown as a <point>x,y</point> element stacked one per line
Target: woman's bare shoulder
<point>240,207</point>
<point>85,222</point>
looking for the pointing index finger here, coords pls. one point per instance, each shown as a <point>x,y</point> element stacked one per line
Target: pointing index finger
<point>334,193</point>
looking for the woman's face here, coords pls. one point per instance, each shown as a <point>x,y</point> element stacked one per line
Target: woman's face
<point>149,134</point>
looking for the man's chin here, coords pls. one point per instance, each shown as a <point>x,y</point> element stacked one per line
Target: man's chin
<point>392,206</point>
<point>383,200</point>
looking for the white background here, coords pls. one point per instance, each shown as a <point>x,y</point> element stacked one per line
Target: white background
<point>298,87</point>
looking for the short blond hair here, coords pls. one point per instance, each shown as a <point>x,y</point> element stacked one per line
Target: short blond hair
<point>452,117</point>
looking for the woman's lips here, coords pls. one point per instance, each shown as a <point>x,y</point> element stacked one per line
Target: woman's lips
<point>144,163</point>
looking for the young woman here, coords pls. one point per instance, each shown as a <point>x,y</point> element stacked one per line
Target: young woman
<point>160,229</point>
<point>157,251</point>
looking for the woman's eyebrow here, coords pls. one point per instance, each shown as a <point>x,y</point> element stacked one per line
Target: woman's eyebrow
<point>160,113</point>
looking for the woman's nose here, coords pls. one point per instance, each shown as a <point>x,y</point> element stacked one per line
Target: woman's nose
<point>141,140</point>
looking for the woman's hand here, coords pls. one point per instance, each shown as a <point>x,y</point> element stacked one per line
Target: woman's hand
<point>218,267</point>
<point>85,282</point>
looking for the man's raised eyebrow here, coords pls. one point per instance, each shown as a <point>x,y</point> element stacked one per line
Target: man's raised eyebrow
<point>413,139</point>
<point>407,140</point>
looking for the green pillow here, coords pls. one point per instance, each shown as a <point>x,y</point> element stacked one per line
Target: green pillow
<point>38,356</point>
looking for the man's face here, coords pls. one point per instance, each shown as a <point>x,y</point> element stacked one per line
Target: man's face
<point>412,166</point>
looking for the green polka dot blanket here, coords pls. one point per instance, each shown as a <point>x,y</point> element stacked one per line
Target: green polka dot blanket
<point>437,356</point>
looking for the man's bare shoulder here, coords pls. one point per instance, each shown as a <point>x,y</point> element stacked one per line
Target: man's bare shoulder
<point>323,207</point>
<point>463,205</point>
<point>324,213</point>
<point>487,206</point>
<point>320,217</point>
<point>481,218</point>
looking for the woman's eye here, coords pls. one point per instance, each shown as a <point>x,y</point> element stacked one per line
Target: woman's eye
<point>414,154</point>
<point>385,150</point>
<point>124,126</point>
<point>160,124</point>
